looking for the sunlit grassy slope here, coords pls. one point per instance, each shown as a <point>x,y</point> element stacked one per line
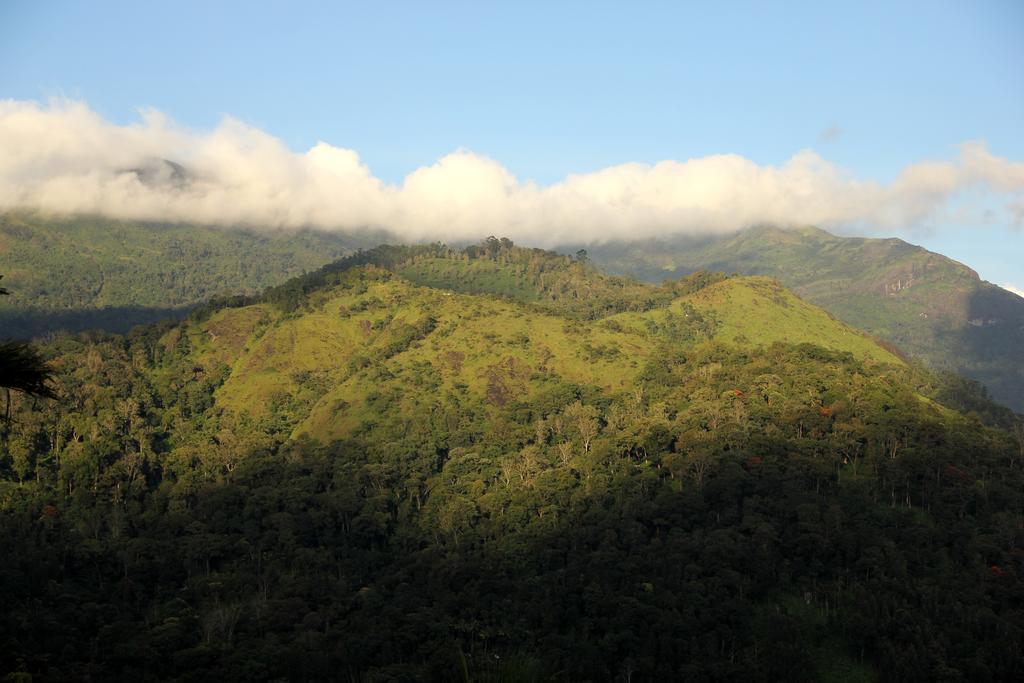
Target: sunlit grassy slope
<point>759,311</point>
<point>926,304</point>
<point>374,341</point>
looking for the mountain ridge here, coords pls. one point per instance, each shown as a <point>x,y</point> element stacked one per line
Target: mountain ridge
<point>79,272</point>
<point>926,304</point>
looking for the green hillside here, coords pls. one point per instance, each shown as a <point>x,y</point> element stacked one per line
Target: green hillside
<point>498,464</point>
<point>345,346</point>
<point>926,304</point>
<point>85,273</point>
<point>80,273</point>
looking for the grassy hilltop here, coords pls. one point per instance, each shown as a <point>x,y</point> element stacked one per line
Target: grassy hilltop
<point>926,304</point>
<point>375,326</point>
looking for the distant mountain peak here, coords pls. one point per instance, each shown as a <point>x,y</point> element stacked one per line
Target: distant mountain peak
<point>158,172</point>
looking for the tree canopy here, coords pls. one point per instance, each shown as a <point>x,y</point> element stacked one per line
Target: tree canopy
<point>359,477</point>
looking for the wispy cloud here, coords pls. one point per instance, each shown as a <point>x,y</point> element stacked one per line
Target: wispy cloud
<point>63,157</point>
<point>830,134</point>
<point>1016,290</point>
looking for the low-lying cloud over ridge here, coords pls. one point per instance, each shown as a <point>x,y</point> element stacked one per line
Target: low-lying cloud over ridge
<point>62,157</point>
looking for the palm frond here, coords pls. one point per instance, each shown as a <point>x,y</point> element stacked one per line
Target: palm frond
<point>23,369</point>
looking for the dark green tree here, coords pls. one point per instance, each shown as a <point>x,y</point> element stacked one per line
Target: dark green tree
<point>22,369</point>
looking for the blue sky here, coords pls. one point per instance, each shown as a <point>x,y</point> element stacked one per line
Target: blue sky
<point>550,89</point>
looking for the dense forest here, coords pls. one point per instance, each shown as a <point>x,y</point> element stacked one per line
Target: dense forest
<point>87,272</point>
<point>498,464</point>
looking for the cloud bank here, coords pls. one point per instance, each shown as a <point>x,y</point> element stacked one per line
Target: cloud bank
<point>61,157</point>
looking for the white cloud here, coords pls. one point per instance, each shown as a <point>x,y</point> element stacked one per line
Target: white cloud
<point>62,157</point>
<point>1016,290</point>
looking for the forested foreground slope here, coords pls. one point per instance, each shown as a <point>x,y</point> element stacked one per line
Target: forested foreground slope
<point>497,464</point>
<point>927,304</point>
<point>90,272</point>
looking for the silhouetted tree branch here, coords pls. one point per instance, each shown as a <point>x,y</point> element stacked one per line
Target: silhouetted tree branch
<point>24,370</point>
